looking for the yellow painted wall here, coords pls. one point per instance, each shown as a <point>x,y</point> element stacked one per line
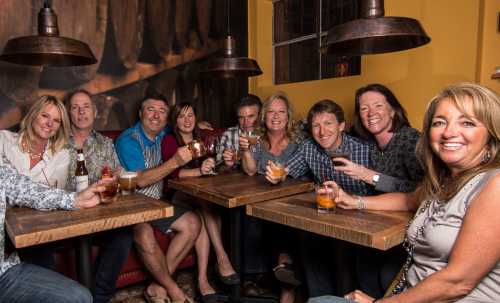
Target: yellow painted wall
<point>465,46</point>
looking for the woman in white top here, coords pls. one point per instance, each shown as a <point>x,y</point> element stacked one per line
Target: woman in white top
<point>38,149</point>
<point>454,252</point>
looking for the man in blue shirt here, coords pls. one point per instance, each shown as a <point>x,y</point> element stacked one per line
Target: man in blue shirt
<point>325,121</point>
<point>139,149</point>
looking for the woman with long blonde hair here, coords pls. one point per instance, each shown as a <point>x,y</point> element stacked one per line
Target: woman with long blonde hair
<point>452,242</point>
<point>38,149</point>
<point>278,141</point>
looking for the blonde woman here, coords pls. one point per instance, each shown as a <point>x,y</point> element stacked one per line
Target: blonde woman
<point>278,142</point>
<point>38,149</point>
<point>454,252</point>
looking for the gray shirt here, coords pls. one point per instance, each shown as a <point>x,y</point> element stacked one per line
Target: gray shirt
<point>440,225</point>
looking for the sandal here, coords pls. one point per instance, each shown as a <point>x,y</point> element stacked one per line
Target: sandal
<point>286,273</point>
<point>213,298</point>
<point>153,299</point>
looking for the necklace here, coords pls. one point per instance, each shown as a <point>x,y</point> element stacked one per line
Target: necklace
<point>35,156</point>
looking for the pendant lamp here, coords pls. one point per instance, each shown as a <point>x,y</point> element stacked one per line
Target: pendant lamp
<point>229,65</point>
<point>373,33</point>
<point>47,48</point>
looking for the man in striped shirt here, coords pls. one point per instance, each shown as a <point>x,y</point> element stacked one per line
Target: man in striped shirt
<point>139,149</point>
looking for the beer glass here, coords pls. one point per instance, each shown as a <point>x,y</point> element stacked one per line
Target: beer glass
<point>128,182</point>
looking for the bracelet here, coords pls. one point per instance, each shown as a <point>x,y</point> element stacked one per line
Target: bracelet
<point>360,203</point>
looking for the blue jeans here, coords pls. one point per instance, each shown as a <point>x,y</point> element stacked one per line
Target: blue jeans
<point>329,299</point>
<point>30,283</point>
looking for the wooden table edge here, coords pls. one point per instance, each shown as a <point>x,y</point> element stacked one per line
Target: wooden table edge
<point>21,240</point>
<point>375,241</point>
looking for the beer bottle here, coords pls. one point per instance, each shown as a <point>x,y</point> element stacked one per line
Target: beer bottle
<point>81,172</point>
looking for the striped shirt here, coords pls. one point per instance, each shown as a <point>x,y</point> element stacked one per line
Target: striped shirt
<point>230,139</point>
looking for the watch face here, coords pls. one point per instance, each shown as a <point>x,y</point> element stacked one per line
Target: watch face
<point>376,178</point>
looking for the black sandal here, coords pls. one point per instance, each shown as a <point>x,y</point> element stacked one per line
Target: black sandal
<point>286,273</point>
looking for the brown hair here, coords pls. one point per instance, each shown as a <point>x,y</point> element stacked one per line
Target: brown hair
<point>292,131</point>
<point>26,130</point>
<point>325,106</point>
<point>178,109</point>
<point>398,121</point>
<point>438,182</point>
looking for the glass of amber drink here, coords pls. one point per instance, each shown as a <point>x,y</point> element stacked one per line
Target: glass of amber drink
<point>278,169</point>
<point>325,199</point>
<point>128,182</point>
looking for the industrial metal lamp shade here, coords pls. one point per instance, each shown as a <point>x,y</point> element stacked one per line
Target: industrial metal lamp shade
<point>230,66</point>
<point>374,34</point>
<point>48,48</point>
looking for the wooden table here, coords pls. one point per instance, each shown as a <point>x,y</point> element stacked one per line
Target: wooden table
<point>377,229</point>
<point>28,227</point>
<point>233,190</point>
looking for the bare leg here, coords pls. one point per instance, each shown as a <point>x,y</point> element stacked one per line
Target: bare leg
<point>202,247</point>
<point>187,229</point>
<point>213,225</point>
<point>154,260</point>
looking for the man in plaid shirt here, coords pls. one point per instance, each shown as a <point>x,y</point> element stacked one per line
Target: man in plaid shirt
<point>326,124</point>
<point>248,113</point>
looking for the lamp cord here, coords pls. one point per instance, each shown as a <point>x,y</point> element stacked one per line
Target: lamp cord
<point>228,17</point>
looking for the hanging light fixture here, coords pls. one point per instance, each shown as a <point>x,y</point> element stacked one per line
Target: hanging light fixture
<point>48,48</point>
<point>374,34</point>
<point>229,65</point>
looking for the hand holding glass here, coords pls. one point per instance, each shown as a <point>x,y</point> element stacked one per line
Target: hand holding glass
<point>325,198</point>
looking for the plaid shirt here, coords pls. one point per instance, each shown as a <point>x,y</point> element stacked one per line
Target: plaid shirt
<point>312,158</point>
<point>230,138</point>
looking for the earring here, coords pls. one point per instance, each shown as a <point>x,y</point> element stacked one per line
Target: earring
<point>486,157</point>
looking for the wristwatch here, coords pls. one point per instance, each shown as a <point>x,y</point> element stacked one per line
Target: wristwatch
<point>375,179</point>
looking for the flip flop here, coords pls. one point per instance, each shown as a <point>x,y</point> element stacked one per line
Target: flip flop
<point>285,273</point>
<point>152,299</point>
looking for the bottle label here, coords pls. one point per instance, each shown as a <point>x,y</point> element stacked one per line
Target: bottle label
<point>80,157</point>
<point>82,182</point>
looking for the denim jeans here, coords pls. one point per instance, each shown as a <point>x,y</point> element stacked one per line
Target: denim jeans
<point>30,283</point>
<point>329,299</point>
<point>114,248</point>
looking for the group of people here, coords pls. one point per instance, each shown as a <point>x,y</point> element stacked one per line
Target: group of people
<point>448,175</point>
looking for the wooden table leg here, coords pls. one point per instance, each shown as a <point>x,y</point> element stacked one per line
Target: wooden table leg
<point>84,261</point>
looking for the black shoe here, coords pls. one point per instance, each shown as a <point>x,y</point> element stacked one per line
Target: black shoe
<point>233,279</point>
<point>286,273</point>
<point>213,298</point>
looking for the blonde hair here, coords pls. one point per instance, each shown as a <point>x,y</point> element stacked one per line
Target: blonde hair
<point>438,182</point>
<point>26,131</point>
<point>292,131</point>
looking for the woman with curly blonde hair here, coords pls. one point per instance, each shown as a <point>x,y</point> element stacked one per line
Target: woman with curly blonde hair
<point>279,135</point>
<point>452,242</point>
<point>278,142</point>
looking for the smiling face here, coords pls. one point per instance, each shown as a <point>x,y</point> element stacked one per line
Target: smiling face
<point>276,117</point>
<point>247,117</point>
<point>47,122</point>
<point>82,111</point>
<point>458,138</point>
<point>375,112</point>
<point>186,121</point>
<point>326,130</point>
<point>153,117</point>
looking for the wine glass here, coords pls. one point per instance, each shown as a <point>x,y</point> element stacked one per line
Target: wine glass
<point>212,146</point>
